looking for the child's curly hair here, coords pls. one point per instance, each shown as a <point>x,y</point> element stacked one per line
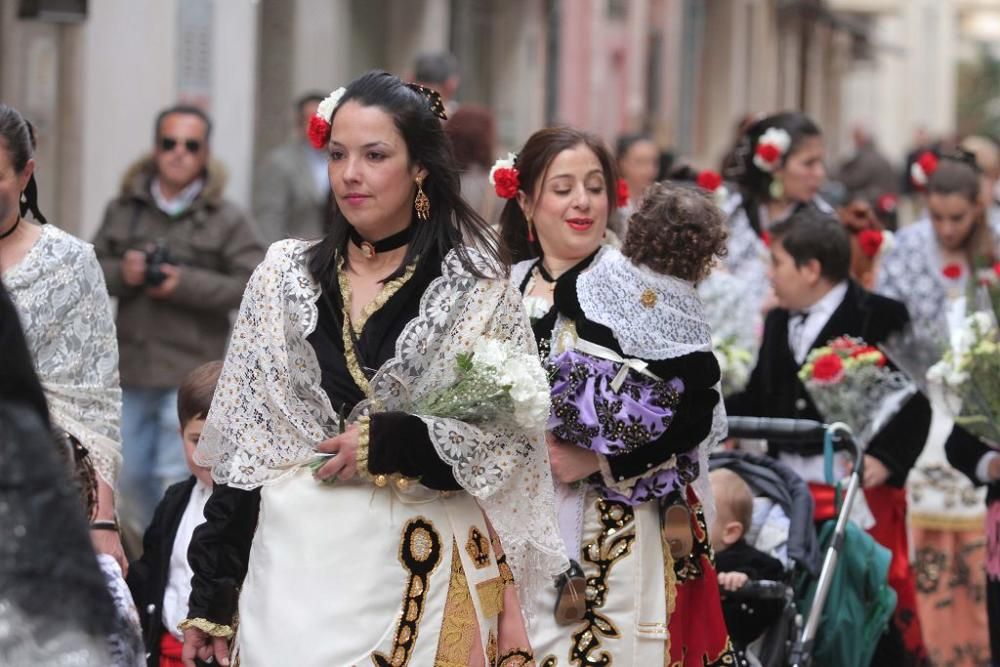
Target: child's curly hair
<point>678,231</point>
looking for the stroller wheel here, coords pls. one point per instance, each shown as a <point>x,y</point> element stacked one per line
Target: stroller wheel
<point>677,530</point>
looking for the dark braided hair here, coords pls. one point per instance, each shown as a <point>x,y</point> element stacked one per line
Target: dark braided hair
<point>17,137</point>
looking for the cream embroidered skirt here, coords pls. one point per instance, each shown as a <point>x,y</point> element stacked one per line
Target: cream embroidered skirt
<point>626,620</point>
<point>351,574</point>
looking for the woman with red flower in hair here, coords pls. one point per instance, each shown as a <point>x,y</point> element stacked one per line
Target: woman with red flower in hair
<point>635,401</point>
<point>935,267</point>
<point>778,167</point>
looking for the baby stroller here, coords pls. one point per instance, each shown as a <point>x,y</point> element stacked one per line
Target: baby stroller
<point>792,641</point>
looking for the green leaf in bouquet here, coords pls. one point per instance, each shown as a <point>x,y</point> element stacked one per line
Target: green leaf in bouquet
<point>464,362</point>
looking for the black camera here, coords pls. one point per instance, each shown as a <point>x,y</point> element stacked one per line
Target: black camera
<point>156,257</point>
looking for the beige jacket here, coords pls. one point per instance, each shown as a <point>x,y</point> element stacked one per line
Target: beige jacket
<point>216,248</point>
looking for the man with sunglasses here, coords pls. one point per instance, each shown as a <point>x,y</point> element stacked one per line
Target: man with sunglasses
<point>177,255</point>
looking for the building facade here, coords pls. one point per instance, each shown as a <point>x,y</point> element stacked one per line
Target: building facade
<point>683,70</point>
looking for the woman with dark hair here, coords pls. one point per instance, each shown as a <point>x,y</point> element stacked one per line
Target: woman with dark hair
<point>57,285</point>
<point>54,602</point>
<point>473,135</point>
<point>638,159</point>
<point>935,266</point>
<point>630,516</point>
<point>778,167</point>
<point>390,560</point>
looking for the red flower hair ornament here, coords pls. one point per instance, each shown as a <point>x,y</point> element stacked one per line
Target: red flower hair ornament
<point>922,169</point>
<point>504,177</point>
<point>712,181</point>
<point>870,241</point>
<point>319,124</point>
<point>771,148</point>
<point>622,194</point>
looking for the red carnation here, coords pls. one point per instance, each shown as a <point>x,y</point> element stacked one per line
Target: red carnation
<point>710,180</point>
<point>768,152</point>
<point>887,203</point>
<point>870,241</point>
<point>507,182</point>
<point>828,368</point>
<point>952,271</point>
<point>765,236</point>
<point>928,162</point>
<point>623,193</point>
<point>319,132</point>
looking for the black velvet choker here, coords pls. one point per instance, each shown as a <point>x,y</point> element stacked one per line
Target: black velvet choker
<point>369,249</point>
<point>12,229</point>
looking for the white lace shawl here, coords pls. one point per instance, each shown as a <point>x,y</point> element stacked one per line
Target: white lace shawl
<point>269,410</point>
<point>60,295</point>
<point>653,317</point>
<point>911,272</point>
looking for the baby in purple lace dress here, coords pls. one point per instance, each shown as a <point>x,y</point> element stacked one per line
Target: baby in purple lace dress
<point>637,384</point>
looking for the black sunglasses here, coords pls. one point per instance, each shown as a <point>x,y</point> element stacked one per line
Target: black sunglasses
<point>169,143</point>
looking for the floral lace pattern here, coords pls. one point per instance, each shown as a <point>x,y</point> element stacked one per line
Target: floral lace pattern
<point>653,316</point>
<point>60,295</point>
<point>747,256</point>
<point>911,272</point>
<point>269,409</point>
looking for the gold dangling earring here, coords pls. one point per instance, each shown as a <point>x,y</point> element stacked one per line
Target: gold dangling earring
<point>531,234</point>
<point>421,202</point>
<point>776,190</point>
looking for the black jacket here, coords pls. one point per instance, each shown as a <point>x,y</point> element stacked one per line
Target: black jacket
<point>964,451</point>
<point>147,577</point>
<point>748,618</point>
<point>774,389</point>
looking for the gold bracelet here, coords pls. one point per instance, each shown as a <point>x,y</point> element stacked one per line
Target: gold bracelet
<point>206,626</point>
<point>364,428</point>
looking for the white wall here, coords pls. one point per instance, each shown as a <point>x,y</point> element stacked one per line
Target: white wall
<point>128,69</point>
<point>234,75</point>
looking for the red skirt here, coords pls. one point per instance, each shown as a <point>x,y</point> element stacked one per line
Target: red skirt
<point>888,506</point>
<point>170,651</point>
<point>698,634</point>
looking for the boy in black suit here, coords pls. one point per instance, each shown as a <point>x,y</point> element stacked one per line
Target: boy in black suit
<point>160,581</point>
<point>810,265</point>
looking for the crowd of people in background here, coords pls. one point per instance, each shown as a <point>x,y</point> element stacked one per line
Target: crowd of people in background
<point>238,510</point>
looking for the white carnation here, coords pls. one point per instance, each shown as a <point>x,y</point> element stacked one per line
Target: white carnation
<point>329,105</point>
<point>777,137</point>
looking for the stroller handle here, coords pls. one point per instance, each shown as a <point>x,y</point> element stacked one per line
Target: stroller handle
<point>759,589</point>
<point>778,430</point>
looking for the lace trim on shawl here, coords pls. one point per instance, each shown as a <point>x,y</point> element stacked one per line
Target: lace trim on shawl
<point>653,316</point>
<point>269,409</point>
<point>60,295</point>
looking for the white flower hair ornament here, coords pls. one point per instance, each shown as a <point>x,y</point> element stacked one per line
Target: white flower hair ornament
<point>319,124</point>
<point>771,148</point>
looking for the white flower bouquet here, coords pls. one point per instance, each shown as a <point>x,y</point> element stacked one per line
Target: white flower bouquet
<point>735,363</point>
<point>493,382</point>
<point>969,375</point>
